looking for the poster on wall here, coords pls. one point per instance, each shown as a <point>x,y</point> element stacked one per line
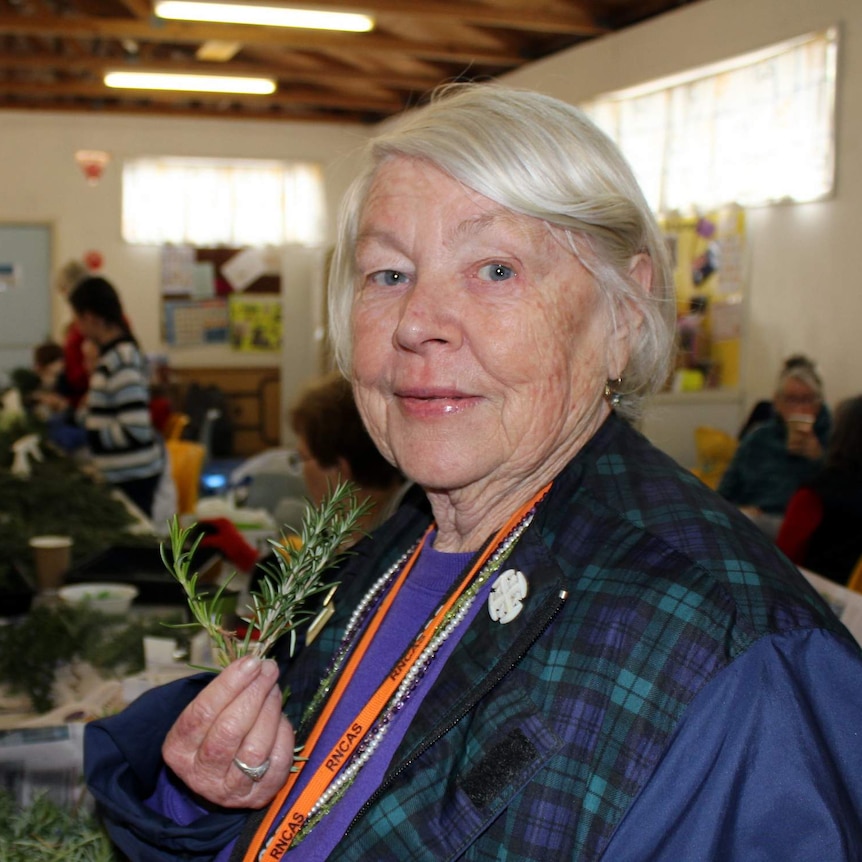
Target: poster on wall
<point>246,267</point>
<point>708,253</point>
<point>187,323</point>
<point>178,270</point>
<point>255,322</point>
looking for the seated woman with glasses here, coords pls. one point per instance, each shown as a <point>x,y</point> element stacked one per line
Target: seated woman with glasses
<point>777,456</point>
<point>332,446</point>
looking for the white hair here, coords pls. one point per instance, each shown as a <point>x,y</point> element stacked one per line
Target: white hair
<point>800,367</point>
<point>543,158</point>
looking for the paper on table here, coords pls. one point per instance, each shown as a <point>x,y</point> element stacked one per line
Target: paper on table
<point>36,760</point>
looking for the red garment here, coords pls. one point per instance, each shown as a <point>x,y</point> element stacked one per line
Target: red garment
<point>802,517</point>
<point>75,371</point>
<point>221,535</point>
<point>160,409</point>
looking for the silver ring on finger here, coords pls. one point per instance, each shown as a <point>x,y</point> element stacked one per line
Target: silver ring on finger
<point>255,773</point>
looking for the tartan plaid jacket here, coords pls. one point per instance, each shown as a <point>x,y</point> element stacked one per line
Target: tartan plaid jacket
<point>539,735</point>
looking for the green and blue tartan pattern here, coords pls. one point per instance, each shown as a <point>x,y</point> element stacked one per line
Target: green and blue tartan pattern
<point>666,585</point>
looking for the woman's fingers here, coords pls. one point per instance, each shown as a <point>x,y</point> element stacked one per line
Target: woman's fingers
<point>238,715</point>
<point>198,717</point>
<point>271,739</point>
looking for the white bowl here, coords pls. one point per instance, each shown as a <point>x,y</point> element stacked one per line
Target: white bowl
<point>109,598</point>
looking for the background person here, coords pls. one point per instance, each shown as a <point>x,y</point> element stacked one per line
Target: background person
<point>332,446</point>
<point>121,439</point>
<point>76,376</point>
<point>51,401</point>
<point>582,652</point>
<point>776,456</point>
<point>40,383</point>
<point>820,531</point>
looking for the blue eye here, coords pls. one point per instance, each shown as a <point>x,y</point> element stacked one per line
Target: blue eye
<point>496,272</point>
<point>387,277</point>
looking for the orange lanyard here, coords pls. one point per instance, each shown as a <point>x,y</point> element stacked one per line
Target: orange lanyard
<point>356,731</point>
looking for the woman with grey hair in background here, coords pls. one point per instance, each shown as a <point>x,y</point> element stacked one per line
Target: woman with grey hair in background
<point>778,455</point>
<point>562,646</point>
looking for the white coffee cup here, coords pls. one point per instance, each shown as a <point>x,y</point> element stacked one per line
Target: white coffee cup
<point>52,558</point>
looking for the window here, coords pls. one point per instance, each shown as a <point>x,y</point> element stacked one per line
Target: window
<point>754,130</point>
<point>213,202</point>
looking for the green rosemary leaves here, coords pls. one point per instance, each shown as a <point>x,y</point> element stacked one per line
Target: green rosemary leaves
<point>279,604</point>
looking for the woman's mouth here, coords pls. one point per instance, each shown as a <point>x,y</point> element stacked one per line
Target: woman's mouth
<point>427,403</point>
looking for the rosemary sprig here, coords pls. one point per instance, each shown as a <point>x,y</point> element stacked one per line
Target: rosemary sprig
<point>279,605</point>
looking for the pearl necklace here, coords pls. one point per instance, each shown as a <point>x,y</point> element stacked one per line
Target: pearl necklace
<point>413,677</point>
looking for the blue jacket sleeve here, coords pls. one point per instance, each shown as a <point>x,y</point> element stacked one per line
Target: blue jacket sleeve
<point>765,765</point>
<point>122,765</point>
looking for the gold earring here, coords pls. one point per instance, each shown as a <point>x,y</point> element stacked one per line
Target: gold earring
<point>612,392</point>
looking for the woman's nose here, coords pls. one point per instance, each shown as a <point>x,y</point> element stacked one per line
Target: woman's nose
<point>427,318</point>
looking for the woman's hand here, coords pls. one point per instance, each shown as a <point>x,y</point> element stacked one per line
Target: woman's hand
<point>801,439</point>
<point>52,400</point>
<point>238,715</point>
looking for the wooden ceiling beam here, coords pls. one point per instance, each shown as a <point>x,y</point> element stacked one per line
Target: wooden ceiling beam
<point>98,65</point>
<point>141,9</point>
<point>287,97</point>
<point>576,21</point>
<point>195,112</point>
<point>284,37</point>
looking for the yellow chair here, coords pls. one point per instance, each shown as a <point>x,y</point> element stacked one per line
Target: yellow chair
<point>175,425</point>
<point>855,580</point>
<point>715,449</point>
<point>187,461</point>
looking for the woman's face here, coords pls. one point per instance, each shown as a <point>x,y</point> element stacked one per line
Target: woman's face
<point>481,344</point>
<point>796,398</point>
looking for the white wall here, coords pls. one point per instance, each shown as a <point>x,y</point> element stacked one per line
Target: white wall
<point>805,284</point>
<point>42,183</point>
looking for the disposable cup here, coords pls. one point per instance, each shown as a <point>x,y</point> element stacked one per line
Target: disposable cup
<point>52,557</point>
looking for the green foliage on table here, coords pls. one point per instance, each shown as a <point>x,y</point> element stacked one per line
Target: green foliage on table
<point>33,648</point>
<point>14,426</point>
<point>58,498</point>
<point>46,832</point>
<point>25,380</point>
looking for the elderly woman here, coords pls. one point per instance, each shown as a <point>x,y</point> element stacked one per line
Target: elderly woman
<point>774,458</point>
<point>580,652</point>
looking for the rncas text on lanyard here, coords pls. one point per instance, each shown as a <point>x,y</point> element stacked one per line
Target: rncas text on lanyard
<point>326,777</point>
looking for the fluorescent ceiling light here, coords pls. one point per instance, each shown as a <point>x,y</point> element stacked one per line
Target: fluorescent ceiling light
<point>197,83</point>
<point>271,16</point>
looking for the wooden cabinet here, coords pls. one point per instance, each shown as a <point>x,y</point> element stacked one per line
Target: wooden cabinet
<point>254,402</point>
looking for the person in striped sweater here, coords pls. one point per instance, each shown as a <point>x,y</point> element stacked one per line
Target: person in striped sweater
<point>124,445</point>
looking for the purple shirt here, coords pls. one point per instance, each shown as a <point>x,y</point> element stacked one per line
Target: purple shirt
<point>421,594</point>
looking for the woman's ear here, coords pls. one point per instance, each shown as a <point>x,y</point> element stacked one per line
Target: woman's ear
<point>640,271</point>
<point>628,317</point>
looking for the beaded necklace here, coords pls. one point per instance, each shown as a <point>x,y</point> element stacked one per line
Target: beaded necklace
<point>447,620</point>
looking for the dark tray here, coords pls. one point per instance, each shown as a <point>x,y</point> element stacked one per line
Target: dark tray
<point>143,568</point>
<point>16,592</point>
